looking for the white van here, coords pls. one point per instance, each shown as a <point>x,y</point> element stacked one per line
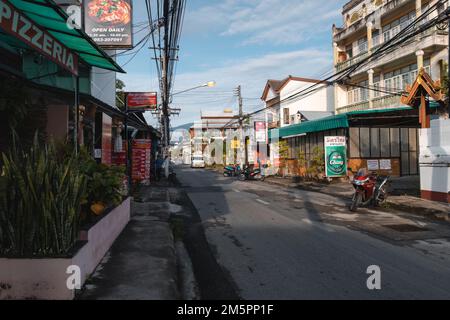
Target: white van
<point>198,162</point>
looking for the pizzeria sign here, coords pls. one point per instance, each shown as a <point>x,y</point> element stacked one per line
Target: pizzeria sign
<point>18,25</point>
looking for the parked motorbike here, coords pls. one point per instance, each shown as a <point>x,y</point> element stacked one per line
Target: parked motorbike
<point>231,171</point>
<point>251,174</point>
<point>369,189</point>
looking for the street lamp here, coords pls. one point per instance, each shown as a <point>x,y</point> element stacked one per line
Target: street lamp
<point>209,84</point>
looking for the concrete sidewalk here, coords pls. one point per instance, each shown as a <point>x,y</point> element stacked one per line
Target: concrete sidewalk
<point>142,263</point>
<point>399,200</point>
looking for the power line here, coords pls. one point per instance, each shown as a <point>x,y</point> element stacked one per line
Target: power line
<point>389,45</point>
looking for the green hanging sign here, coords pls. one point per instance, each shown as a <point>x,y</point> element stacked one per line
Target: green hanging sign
<point>335,157</point>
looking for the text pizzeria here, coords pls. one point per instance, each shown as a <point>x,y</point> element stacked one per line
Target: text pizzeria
<point>16,24</point>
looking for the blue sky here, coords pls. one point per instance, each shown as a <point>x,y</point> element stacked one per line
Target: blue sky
<point>239,42</point>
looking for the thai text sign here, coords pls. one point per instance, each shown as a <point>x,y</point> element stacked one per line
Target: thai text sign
<point>335,156</point>
<point>15,23</point>
<point>142,100</point>
<point>141,160</point>
<point>109,22</point>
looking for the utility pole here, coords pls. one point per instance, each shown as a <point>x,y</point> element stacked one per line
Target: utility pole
<point>241,126</point>
<point>165,120</point>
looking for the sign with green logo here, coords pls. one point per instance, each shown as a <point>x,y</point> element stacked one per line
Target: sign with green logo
<point>335,157</point>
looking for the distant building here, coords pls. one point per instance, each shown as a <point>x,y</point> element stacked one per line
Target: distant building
<point>210,136</point>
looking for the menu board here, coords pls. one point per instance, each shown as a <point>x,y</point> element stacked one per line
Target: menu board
<point>109,22</point>
<point>141,160</point>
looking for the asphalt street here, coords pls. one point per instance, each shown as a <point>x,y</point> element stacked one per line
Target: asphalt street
<point>279,243</point>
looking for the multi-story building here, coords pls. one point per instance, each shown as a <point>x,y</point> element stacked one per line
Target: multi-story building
<point>368,25</point>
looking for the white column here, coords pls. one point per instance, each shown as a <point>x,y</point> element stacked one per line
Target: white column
<point>419,55</point>
<point>369,37</point>
<point>371,95</point>
<point>335,53</point>
<point>418,8</point>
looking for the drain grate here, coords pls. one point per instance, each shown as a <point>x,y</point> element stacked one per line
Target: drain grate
<point>405,228</point>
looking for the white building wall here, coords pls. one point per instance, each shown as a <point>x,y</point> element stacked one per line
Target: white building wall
<point>319,100</point>
<point>103,84</point>
<point>435,157</point>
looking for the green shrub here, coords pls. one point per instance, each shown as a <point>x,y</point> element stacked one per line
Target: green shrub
<point>40,202</point>
<point>104,183</point>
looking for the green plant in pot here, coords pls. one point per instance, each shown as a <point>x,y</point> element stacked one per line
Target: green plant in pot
<point>105,187</point>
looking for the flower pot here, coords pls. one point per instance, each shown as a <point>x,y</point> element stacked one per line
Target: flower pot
<point>98,208</point>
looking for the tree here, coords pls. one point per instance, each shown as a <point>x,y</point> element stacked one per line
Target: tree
<point>120,94</point>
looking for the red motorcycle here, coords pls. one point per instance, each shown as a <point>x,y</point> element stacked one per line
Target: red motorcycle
<point>369,189</point>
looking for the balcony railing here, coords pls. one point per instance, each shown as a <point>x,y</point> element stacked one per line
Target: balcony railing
<point>352,61</point>
<point>384,102</point>
<point>378,42</point>
<point>354,107</point>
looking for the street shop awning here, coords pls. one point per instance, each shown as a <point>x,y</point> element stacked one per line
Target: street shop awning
<point>332,122</point>
<point>327,123</point>
<point>32,21</point>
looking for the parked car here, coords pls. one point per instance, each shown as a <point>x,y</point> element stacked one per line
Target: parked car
<point>198,162</point>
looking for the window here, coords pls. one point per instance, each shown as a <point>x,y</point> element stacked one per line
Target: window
<point>395,142</point>
<point>349,51</point>
<point>385,142</point>
<point>362,45</point>
<point>354,143</point>
<point>392,29</point>
<point>370,142</point>
<point>364,134</point>
<point>375,142</point>
<point>286,115</point>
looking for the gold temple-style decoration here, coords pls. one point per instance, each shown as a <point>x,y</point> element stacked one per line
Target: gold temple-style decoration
<point>416,94</point>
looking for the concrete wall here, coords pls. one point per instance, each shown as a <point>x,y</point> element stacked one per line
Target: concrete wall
<point>435,161</point>
<point>47,278</point>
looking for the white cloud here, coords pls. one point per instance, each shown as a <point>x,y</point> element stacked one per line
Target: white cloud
<point>265,21</point>
<point>250,73</point>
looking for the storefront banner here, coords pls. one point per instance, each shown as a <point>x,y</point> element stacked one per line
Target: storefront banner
<point>17,24</point>
<point>142,100</point>
<point>141,160</point>
<point>260,131</point>
<point>109,22</point>
<point>335,156</point>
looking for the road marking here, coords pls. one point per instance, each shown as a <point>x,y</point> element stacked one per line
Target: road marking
<point>236,190</point>
<point>263,202</point>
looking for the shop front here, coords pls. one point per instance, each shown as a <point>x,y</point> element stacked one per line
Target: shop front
<point>46,72</point>
<point>385,141</point>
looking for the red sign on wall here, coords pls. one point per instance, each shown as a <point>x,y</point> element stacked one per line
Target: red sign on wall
<point>141,160</point>
<point>142,100</point>
<point>15,23</point>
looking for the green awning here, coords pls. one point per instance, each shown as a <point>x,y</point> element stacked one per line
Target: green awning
<point>327,123</point>
<point>332,122</point>
<point>49,16</point>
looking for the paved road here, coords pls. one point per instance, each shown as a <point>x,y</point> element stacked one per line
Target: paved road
<point>290,244</point>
